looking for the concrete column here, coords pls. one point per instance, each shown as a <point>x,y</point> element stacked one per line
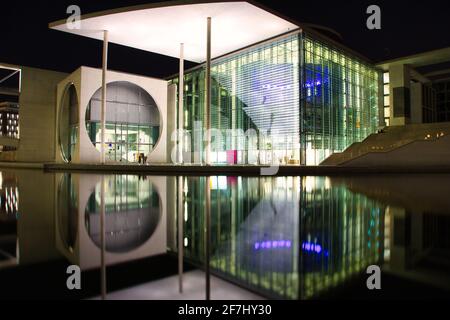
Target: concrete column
<point>400,99</point>
<point>180,104</point>
<point>208,91</point>
<point>172,124</point>
<point>103,113</point>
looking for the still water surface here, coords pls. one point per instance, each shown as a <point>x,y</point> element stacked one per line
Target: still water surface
<point>276,237</point>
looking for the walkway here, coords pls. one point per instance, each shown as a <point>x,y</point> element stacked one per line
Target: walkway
<point>194,289</point>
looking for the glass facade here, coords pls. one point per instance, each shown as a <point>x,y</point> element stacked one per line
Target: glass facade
<point>132,122</point>
<point>340,100</point>
<point>292,100</point>
<point>9,121</point>
<point>442,100</point>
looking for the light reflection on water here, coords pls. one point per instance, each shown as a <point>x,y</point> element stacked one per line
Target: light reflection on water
<point>281,237</point>
<point>289,237</point>
<point>134,225</point>
<point>132,209</point>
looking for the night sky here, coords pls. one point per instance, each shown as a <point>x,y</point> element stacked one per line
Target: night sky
<point>408,27</point>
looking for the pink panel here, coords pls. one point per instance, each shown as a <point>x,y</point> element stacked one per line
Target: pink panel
<point>232,156</point>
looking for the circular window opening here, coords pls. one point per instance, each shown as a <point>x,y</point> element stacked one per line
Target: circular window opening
<point>68,122</point>
<point>132,126</point>
<point>132,213</point>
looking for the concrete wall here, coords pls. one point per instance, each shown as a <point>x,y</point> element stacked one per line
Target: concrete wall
<point>87,81</point>
<point>399,80</point>
<point>37,113</point>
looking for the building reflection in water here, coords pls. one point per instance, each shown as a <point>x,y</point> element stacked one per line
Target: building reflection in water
<point>9,213</point>
<point>9,196</point>
<point>132,209</point>
<point>134,225</point>
<point>282,237</point>
<point>417,224</point>
<point>285,237</point>
<point>68,211</point>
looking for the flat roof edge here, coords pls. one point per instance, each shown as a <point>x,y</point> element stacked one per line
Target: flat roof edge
<point>283,35</point>
<point>9,66</point>
<point>120,72</point>
<point>304,27</point>
<point>339,45</point>
<point>445,50</point>
<point>286,34</point>
<point>155,5</point>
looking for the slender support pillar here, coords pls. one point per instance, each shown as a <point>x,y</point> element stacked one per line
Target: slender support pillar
<point>102,239</point>
<point>208,92</point>
<point>180,233</point>
<point>103,113</point>
<point>208,160</point>
<point>180,105</point>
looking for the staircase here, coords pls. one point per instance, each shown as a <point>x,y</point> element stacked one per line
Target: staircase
<point>388,141</point>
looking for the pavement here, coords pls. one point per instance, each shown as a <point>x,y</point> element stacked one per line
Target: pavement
<point>193,289</point>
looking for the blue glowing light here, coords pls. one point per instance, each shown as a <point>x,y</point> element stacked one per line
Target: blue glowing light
<point>286,244</point>
<point>312,247</point>
<point>317,80</point>
<point>272,244</point>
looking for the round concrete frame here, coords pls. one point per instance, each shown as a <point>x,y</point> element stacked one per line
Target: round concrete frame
<point>161,123</point>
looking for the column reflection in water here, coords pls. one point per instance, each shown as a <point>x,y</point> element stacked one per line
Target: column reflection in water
<point>285,237</point>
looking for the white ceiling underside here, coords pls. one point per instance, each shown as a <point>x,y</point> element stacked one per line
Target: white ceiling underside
<point>235,25</point>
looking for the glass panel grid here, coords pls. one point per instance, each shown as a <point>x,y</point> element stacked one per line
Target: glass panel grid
<point>312,98</point>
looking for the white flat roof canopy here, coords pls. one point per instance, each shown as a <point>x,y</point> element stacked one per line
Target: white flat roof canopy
<point>161,27</point>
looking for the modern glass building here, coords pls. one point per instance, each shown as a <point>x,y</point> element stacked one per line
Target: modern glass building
<point>267,90</point>
<point>294,99</point>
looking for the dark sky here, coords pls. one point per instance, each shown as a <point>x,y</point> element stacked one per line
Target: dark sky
<point>408,27</point>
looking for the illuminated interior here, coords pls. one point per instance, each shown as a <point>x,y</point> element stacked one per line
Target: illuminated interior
<point>132,122</point>
<point>302,99</point>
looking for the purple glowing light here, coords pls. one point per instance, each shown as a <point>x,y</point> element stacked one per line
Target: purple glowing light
<point>312,84</point>
<point>272,244</point>
<point>312,247</point>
